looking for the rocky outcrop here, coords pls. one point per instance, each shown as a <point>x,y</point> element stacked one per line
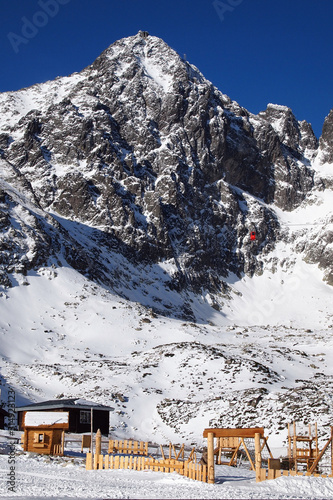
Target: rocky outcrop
<point>326,139</point>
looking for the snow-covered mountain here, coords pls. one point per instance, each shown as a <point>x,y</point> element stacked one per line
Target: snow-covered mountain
<point>128,195</point>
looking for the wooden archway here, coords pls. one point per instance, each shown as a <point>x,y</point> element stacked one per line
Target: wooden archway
<point>212,433</point>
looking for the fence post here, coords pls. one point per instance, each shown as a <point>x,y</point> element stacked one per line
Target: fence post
<point>98,442</point>
<point>257,456</point>
<point>210,457</point>
<point>89,461</point>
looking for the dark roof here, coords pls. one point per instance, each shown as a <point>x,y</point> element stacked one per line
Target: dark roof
<point>78,403</point>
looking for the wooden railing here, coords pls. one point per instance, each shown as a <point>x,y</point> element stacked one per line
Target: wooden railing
<point>186,468</point>
<point>128,447</point>
<point>275,473</point>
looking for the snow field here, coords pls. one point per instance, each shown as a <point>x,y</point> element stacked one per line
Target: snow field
<point>41,477</point>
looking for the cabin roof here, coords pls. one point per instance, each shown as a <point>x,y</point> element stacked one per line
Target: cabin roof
<point>75,403</point>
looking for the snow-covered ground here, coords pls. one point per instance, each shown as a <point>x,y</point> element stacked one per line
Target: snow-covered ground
<point>47,477</point>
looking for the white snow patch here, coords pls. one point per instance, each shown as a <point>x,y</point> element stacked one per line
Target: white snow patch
<point>42,418</point>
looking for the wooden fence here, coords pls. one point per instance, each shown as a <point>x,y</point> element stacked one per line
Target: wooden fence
<point>275,473</point>
<point>186,468</point>
<point>128,446</point>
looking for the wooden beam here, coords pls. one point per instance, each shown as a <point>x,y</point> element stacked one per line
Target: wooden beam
<point>210,458</point>
<point>268,448</point>
<point>247,451</point>
<point>315,463</point>
<point>245,433</point>
<point>235,454</point>
<point>258,457</point>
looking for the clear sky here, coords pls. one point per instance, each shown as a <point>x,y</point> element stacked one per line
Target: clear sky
<point>255,51</point>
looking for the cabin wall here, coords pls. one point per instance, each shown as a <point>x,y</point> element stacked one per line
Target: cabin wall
<point>39,440</point>
<point>101,420</point>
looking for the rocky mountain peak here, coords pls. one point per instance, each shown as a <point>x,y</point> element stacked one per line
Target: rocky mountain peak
<point>326,139</point>
<point>295,135</point>
<point>160,166</point>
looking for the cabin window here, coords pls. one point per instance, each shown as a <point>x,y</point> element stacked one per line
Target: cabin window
<point>39,437</point>
<point>85,417</point>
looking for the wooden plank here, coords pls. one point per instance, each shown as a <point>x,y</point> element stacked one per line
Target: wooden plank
<point>185,470</point>
<point>204,470</point>
<point>245,433</point>
<point>262,475</point>
<point>270,474</point>
<point>89,464</point>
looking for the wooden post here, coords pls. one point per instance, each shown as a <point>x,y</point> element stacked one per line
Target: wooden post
<point>210,457</point>
<point>295,446</point>
<point>289,446</point>
<point>62,442</point>
<point>257,456</point>
<point>98,442</point>
<point>91,434</point>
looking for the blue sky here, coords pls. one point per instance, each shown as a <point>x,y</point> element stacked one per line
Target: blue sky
<point>255,51</point>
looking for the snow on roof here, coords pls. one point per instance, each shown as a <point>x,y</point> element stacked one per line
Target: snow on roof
<point>84,402</point>
<point>64,403</point>
<point>41,418</point>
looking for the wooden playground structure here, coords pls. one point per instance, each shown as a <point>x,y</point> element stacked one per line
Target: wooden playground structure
<point>302,448</point>
<point>303,452</point>
<point>225,446</point>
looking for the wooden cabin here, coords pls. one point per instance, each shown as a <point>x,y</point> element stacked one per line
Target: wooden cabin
<point>80,412</point>
<point>44,431</point>
<point>3,414</point>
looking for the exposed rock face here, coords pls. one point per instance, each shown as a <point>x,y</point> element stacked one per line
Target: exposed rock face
<point>326,139</point>
<point>141,147</point>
